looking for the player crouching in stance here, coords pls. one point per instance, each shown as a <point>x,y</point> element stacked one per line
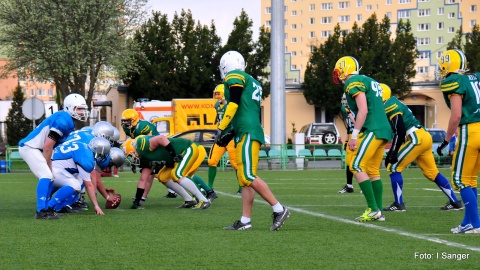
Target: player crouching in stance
<point>180,156</point>
<point>72,164</point>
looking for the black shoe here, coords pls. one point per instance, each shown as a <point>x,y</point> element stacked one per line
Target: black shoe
<point>212,195</point>
<point>239,226</point>
<point>397,207</point>
<point>188,204</point>
<point>81,205</point>
<point>69,209</point>
<point>171,195</point>
<point>346,189</point>
<point>136,205</point>
<point>453,206</point>
<point>47,214</point>
<point>279,219</point>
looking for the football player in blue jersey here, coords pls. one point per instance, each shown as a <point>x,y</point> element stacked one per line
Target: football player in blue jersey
<point>36,149</point>
<point>72,163</point>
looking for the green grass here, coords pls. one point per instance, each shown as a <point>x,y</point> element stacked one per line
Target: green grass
<point>320,234</point>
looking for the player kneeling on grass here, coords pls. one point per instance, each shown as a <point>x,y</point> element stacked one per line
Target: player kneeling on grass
<point>72,163</point>
<point>181,157</point>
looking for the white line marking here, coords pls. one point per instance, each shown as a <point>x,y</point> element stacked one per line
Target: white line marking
<point>372,226</point>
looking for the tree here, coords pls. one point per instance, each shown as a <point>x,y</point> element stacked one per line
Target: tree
<point>403,57</point>
<point>18,126</point>
<point>472,49</point>
<point>69,41</point>
<point>457,41</point>
<point>258,61</point>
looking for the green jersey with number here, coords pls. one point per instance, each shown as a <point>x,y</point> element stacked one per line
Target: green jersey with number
<point>142,128</point>
<point>160,154</point>
<point>247,117</point>
<point>376,120</point>
<point>348,122</point>
<point>393,107</point>
<point>468,86</point>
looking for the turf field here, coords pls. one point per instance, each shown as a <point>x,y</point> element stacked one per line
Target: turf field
<point>320,233</point>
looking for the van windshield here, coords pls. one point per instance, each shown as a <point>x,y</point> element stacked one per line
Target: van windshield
<point>320,129</point>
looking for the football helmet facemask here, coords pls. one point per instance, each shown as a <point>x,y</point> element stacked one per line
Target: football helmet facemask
<point>128,147</point>
<point>76,106</point>
<point>451,61</point>
<point>219,92</point>
<point>103,129</point>
<point>231,60</point>
<point>344,67</point>
<point>129,118</point>
<point>386,92</point>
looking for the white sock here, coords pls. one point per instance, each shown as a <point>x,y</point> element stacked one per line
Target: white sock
<point>350,186</point>
<point>190,186</point>
<point>278,207</point>
<point>245,220</point>
<point>178,189</point>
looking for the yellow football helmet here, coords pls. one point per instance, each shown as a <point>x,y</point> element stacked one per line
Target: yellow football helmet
<point>344,67</point>
<point>451,61</point>
<point>129,148</point>
<point>386,92</point>
<point>219,92</point>
<point>129,118</point>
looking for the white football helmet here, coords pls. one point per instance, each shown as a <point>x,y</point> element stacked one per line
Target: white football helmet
<point>100,147</point>
<point>117,156</point>
<point>231,60</point>
<point>76,106</point>
<point>103,129</point>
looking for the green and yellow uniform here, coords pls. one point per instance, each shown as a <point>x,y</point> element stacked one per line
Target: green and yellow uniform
<point>193,156</point>
<point>216,152</point>
<point>466,158</point>
<point>349,125</point>
<point>376,130</point>
<point>418,142</point>
<point>142,128</point>
<point>249,134</point>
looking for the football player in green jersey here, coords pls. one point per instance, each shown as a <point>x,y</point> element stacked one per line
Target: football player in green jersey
<point>411,142</point>
<point>462,95</point>
<point>217,151</point>
<point>179,167</point>
<point>370,134</point>
<point>349,121</point>
<point>244,95</point>
<point>133,127</point>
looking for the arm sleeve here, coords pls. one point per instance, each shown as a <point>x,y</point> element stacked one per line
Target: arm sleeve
<point>232,106</point>
<point>399,132</point>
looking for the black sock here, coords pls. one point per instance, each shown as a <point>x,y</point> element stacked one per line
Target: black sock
<point>349,176</point>
<point>139,194</point>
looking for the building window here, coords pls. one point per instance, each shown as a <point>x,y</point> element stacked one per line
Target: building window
<point>294,53</point>
<point>369,7</point>
<point>50,92</point>
<point>404,14</point>
<point>441,11</point>
<point>422,70</point>
<point>404,1</point>
<point>440,25</point>
<point>41,92</point>
<point>312,34</point>
<point>343,5</point>
<point>423,27</point>
<point>311,7</point>
<point>389,2</point>
<point>423,41</point>
<point>286,36</point>
<point>423,55</point>
<point>285,22</point>
<point>472,23</point>
<point>451,15</point>
<point>473,8</point>
<point>359,3</point>
<point>268,23</point>
<point>359,17</point>
<point>312,20</point>
<point>423,1</point>
<point>451,29</point>
<point>294,66</point>
<point>439,40</point>
<point>344,18</point>
<point>312,48</point>
<point>32,92</point>
<point>423,12</point>
<point>439,54</point>
<point>450,1</point>
<point>326,20</point>
<point>344,33</point>
<point>294,40</point>
<point>326,34</point>
<point>294,13</point>
<point>389,15</point>
<point>294,26</point>
<point>268,10</point>
<point>327,6</point>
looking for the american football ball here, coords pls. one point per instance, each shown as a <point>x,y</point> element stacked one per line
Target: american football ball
<point>114,204</point>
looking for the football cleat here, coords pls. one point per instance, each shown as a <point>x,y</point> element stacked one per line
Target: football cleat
<point>452,206</point>
<point>171,195</point>
<point>462,229</point>
<point>279,219</point>
<point>397,207</point>
<point>346,189</point>
<point>202,205</point>
<point>188,204</point>
<point>239,226</point>
<point>211,195</point>
<point>369,215</point>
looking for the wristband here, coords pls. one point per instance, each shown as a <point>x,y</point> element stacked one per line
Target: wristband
<point>355,133</point>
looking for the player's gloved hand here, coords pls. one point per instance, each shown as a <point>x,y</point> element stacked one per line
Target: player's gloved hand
<point>157,166</point>
<point>218,135</point>
<point>177,158</point>
<point>226,138</point>
<point>392,158</point>
<point>440,147</point>
<point>345,145</point>
<point>134,169</point>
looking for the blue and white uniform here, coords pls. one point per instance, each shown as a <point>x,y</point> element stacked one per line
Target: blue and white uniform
<point>85,136</point>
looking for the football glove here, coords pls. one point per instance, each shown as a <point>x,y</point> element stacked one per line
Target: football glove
<point>392,158</point>
<point>177,158</point>
<point>157,167</point>
<point>225,138</point>
<point>134,169</point>
<point>440,147</point>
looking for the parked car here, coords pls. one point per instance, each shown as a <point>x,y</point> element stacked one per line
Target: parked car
<point>438,135</point>
<point>321,133</point>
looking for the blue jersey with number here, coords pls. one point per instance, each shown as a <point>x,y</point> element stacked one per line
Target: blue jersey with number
<point>85,136</point>
<point>73,155</point>
<point>60,122</point>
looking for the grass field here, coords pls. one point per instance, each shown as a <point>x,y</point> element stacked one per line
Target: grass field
<point>320,233</point>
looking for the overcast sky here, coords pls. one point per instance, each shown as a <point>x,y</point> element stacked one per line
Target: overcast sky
<point>223,12</point>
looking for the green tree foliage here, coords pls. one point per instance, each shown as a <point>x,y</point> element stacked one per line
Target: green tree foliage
<point>472,48</point>
<point>69,41</point>
<point>388,61</point>
<point>457,41</point>
<point>18,126</point>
